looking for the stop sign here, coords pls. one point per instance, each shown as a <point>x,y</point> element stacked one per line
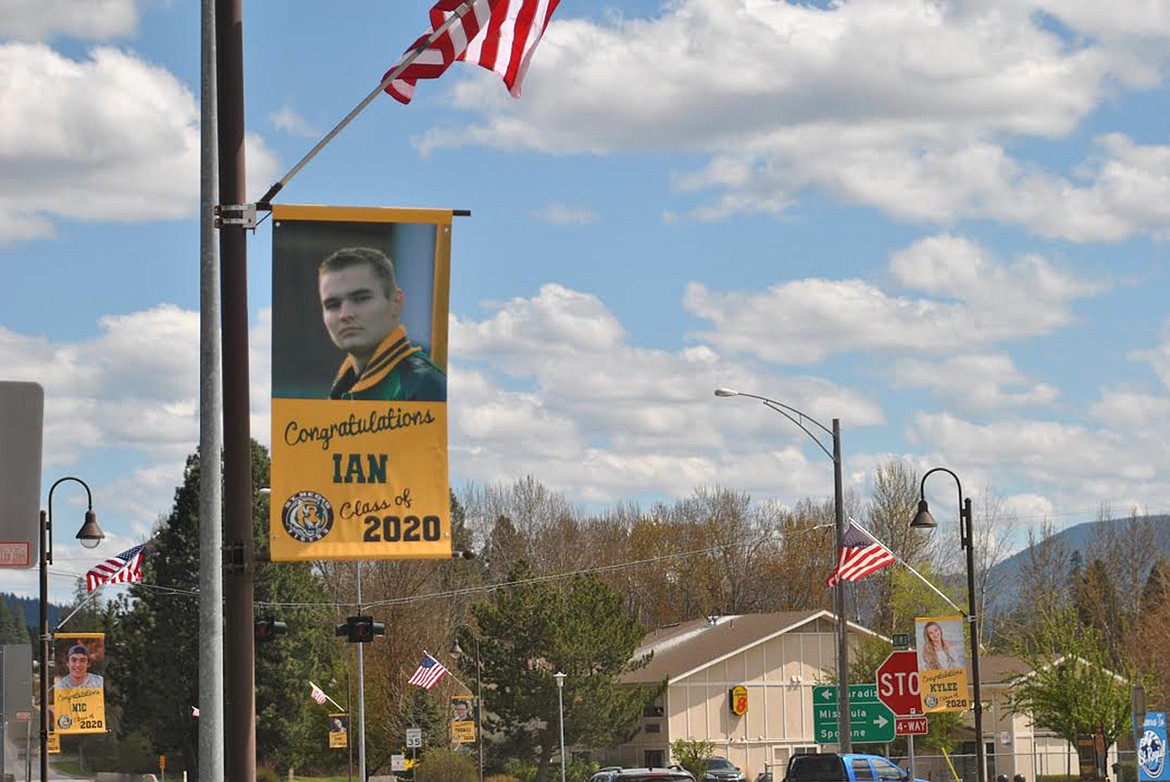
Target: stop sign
<point>897,683</point>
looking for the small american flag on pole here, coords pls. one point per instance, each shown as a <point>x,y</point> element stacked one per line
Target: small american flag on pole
<point>860,555</point>
<point>428,673</point>
<point>317,694</point>
<point>124,568</point>
<point>500,35</point>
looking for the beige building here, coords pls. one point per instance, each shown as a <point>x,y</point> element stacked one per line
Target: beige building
<point>777,659</point>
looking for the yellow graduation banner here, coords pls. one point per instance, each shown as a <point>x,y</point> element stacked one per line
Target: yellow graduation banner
<point>359,357</point>
<point>338,731</point>
<point>942,664</point>
<point>79,702</point>
<point>462,719</point>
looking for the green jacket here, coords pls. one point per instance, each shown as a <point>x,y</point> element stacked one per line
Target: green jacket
<point>398,371</point>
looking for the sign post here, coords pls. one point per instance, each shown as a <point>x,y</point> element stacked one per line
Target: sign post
<point>897,688</point>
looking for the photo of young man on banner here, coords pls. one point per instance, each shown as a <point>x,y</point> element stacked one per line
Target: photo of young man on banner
<point>79,702</point>
<point>359,386</point>
<point>338,731</point>
<point>462,719</point>
<point>942,663</point>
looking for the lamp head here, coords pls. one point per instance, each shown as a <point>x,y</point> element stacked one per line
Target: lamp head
<point>90,533</point>
<point>726,392</point>
<point>560,676</point>
<point>923,519</point>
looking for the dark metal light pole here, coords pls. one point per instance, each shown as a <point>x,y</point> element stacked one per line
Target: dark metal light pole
<point>457,651</point>
<point>239,571</point>
<point>90,535</point>
<point>923,519</point>
<point>844,731</point>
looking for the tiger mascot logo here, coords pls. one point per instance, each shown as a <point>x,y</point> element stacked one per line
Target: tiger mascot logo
<point>307,516</point>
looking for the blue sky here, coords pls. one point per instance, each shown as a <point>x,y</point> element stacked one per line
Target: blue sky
<point>942,222</point>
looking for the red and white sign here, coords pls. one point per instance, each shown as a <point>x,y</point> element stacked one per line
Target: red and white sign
<point>910,726</point>
<point>897,683</point>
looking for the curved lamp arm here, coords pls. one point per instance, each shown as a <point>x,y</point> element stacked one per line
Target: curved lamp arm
<point>964,507</point>
<point>791,413</point>
<point>90,529</point>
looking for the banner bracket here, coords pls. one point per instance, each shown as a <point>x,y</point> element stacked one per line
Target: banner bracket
<point>233,557</point>
<point>235,214</point>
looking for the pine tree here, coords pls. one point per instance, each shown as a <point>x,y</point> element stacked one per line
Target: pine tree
<point>156,642</point>
<point>534,629</point>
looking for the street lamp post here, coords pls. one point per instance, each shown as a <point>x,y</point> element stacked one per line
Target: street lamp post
<point>90,535</point>
<point>560,676</point>
<point>457,651</point>
<point>923,520</point>
<point>844,732</point>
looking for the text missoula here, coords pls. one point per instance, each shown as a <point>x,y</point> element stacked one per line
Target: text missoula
<point>391,419</point>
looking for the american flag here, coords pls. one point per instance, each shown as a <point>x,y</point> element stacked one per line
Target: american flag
<point>124,568</point>
<point>428,673</point>
<point>317,694</point>
<point>860,555</point>
<point>500,35</point>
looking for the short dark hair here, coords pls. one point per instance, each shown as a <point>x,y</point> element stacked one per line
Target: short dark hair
<point>348,257</point>
<point>78,649</point>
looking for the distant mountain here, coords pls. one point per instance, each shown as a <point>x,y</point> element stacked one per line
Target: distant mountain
<point>1007,573</point>
<point>30,609</point>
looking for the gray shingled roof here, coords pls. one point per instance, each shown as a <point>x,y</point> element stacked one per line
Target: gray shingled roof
<point>685,647</point>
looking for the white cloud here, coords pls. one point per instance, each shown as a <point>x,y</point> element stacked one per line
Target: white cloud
<point>135,385</point>
<point>1114,464</point>
<point>605,419</point>
<point>981,382</point>
<point>110,137</point>
<point>287,119</point>
<point>131,395</point>
<point>1131,409</point>
<point>562,214</point>
<point>1157,357</point>
<point>975,301</point>
<point>87,19</point>
<point>903,105</point>
<point>1133,19</point>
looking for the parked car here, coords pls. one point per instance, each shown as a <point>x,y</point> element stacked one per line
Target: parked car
<point>618,774</point>
<point>833,767</point>
<point>722,770</point>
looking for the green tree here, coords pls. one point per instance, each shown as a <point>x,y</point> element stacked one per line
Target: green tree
<point>156,639</point>
<point>154,634</point>
<point>534,629</point>
<point>1099,607</point>
<point>443,765</point>
<point>943,730</point>
<point>12,627</point>
<point>692,755</point>
<point>1072,690</point>
<point>894,502</point>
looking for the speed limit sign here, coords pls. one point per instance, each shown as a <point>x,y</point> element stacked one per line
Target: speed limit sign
<point>413,738</point>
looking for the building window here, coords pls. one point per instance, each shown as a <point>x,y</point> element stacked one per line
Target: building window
<point>653,727</point>
<point>653,708</point>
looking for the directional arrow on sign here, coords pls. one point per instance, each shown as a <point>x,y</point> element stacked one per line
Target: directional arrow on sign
<point>869,720</point>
